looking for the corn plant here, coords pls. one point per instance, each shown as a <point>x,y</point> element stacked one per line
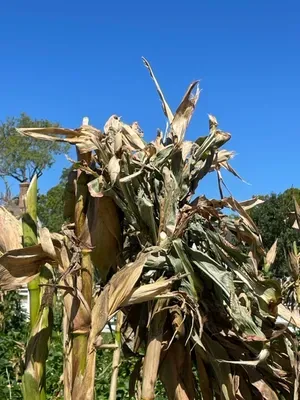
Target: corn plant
<point>183,276</point>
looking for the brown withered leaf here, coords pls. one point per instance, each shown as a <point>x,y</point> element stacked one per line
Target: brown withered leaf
<point>297,211</point>
<point>10,231</point>
<point>294,265</point>
<point>150,291</point>
<point>221,156</point>
<point>46,243</point>
<point>77,311</point>
<point>271,254</point>
<point>83,137</point>
<point>134,141</point>
<point>292,317</point>
<point>175,370</point>
<point>20,266</point>
<point>115,293</point>
<point>248,204</point>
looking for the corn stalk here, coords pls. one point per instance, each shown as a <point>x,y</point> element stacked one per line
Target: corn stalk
<point>29,226</point>
<point>41,314</point>
<point>77,338</point>
<point>153,351</point>
<point>116,358</point>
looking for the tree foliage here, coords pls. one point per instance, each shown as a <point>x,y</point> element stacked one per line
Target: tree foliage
<point>22,157</point>
<point>272,219</point>
<point>51,205</point>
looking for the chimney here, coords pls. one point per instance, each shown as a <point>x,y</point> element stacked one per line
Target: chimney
<point>23,190</point>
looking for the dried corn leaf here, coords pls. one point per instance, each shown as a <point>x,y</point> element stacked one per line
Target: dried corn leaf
<point>150,291</point>
<point>294,265</point>
<point>10,231</point>
<point>169,205</point>
<point>113,169</point>
<point>166,109</point>
<point>222,372</point>
<point>77,311</point>
<point>118,142</point>
<point>184,112</point>
<point>260,384</point>
<point>248,204</point>
<point>116,293</point>
<point>292,317</point>
<point>133,139</point>
<point>262,357</point>
<point>83,137</point>
<point>20,266</point>
<point>186,149</point>
<point>297,212</point>
<point>46,243</point>
<point>112,123</point>
<point>175,371</point>
<point>271,255</point>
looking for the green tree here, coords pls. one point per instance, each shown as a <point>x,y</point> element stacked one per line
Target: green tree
<point>272,219</point>
<point>22,157</point>
<point>51,204</point>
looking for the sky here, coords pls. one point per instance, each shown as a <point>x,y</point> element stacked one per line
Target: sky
<point>63,60</point>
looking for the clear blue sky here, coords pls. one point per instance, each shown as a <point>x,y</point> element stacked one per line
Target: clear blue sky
<point>63,60</point>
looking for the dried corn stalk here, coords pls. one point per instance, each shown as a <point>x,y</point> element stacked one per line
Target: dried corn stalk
<point>171,262</point>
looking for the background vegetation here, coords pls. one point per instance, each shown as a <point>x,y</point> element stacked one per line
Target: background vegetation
<point>13,336</point>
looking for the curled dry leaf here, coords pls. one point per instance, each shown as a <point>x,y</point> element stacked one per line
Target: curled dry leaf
<point>116,293</point>
<point>175,372</point>
<point>113,169</point>
<point>184,112</point>
<point>271,255</point>
<point>294,265</point>
<point>112,123</point>
<point>10,231</point>
<point>118,141</point>
<point>18,267</point>
<point>263,355</point>
<point>248,204</point>
<point>133,139</point>
<point>150,291</point>
<point>83,137</point>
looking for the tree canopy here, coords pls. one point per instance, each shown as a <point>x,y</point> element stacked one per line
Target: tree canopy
<point>272,220</point>
<point>51,204</point>
<point>22,157</point>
